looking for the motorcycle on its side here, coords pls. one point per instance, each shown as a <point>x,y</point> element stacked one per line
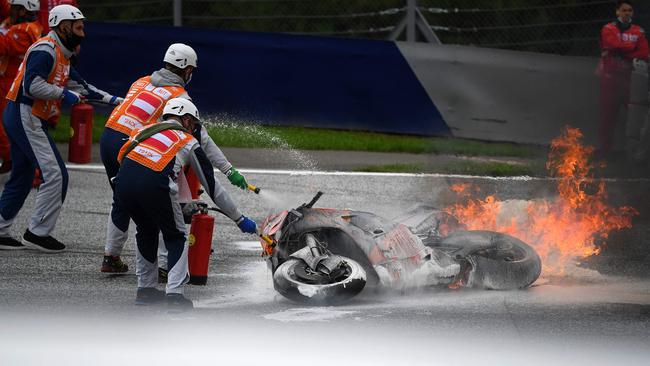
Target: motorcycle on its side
<point>327,256</point>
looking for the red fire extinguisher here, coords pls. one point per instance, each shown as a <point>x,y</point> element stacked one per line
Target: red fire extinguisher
<point>200,242</point>
<point>81,133</point>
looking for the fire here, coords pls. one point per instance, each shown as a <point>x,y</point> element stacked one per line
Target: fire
<point>563,230</point>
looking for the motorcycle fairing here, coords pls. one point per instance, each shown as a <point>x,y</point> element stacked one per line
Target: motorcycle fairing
<point>390,248</point>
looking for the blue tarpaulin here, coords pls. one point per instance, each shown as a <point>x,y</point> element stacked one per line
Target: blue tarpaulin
<point>273,78</point>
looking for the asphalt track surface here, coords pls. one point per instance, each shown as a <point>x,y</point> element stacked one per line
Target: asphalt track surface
<point>59,309</point>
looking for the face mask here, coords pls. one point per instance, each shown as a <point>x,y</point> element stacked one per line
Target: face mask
<point>72,40</point>
<point>189,79</point>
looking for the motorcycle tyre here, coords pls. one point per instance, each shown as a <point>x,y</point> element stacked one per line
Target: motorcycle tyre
<point>495,274</point>
<point>329,294</point>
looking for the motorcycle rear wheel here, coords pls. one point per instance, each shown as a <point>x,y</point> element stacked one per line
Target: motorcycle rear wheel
<point>292,280</point>
<point>498,261</point>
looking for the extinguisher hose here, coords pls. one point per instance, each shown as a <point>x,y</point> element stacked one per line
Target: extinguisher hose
<point>98,102</point>
<point>217,210</point>
<point>266,238</point>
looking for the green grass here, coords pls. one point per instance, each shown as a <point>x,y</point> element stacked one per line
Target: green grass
<point>393,168</point>
<point>61,133</point>
<point>234,135</point>
<point>301,138</point>
<point>494,169</point>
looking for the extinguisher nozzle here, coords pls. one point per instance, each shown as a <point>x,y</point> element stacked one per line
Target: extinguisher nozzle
<point>254,189</point>
<point>266,239</point>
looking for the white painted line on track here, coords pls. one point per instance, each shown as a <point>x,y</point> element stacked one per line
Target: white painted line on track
<point>85,167</point>
<point>100,168</point>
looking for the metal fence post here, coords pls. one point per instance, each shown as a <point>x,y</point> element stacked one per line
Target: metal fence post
<point>411,7</point>
<point>178,13</point>
<point>411,23</point>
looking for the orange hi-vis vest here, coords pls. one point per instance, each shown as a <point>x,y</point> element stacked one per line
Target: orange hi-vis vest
<point>44,109</point>
<point>142,106</point>
<point>17,41</point>
<point>156,151</point>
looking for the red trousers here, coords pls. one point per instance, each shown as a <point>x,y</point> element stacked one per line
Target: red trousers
<point>5,84</point>
<point>614,95</point>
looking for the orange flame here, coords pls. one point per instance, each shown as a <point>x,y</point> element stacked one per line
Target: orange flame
<point>563,230</point>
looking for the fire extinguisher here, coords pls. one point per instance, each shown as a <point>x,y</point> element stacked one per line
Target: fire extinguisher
<point>200,243</point>
<point>81,133</point>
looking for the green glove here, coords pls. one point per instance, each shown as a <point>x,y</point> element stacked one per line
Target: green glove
<point>236,179</point>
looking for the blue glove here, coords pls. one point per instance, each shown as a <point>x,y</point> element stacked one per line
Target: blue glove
<point>246,225</point>
<point>70,98</point>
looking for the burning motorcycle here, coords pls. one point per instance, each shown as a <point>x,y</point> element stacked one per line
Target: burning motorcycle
<point>326,256</point>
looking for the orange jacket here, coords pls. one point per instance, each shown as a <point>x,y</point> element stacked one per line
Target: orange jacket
<point>142,106</point>
<point>45,109</point>
<point>14,44</point>
<point>156,151</point>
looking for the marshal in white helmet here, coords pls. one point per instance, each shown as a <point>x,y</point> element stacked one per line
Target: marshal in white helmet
<point>181,56</point>
<point>29,5</point>
<point>181,60</point>
<point>181,107</point>
<point>60,13</point>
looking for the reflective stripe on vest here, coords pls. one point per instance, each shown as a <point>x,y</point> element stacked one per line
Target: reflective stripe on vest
<point>44,109</point>
<point>142,106</point>
<point>156,151</point>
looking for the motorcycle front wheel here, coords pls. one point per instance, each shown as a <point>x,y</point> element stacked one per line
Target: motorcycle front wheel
<point>294,280</point>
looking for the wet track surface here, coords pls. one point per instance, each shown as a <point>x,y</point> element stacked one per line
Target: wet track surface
<point>590,317</point>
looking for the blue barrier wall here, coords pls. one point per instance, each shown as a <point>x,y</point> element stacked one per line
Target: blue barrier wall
<point>273,78</point>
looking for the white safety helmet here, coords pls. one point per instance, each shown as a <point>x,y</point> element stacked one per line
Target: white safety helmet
<point>60,13</point>
<point>30,5</point>
<point>180,55</point>
<point>180,107</point>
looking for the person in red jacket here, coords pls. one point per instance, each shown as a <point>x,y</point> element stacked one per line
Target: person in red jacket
<point>621,42</point>
<point>17,33</point>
